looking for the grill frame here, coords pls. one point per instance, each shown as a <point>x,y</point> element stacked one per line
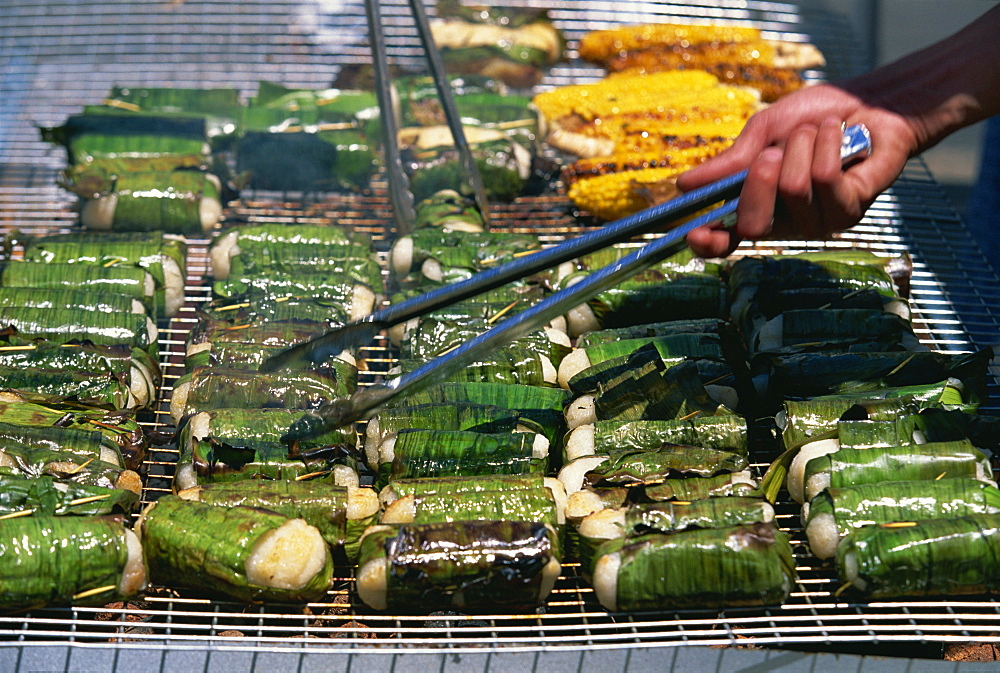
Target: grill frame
<point>952,289</point>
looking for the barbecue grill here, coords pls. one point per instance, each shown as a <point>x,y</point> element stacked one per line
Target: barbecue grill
<point>57,56</point>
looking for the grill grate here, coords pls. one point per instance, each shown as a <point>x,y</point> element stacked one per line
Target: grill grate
<point>58,56</point>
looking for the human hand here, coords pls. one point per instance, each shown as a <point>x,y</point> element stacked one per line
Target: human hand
<point>796,187</point>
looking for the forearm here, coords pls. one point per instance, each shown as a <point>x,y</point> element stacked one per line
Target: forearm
<point>947,86</point>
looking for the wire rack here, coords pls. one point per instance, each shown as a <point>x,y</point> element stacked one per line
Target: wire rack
<point>57,56</point>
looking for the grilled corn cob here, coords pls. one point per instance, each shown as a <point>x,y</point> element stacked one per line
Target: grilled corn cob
<point>599,45</point>
<point>772,82</point>
<point>688,153</point>
<point>711,43</point>
<point>618,194</point>
<point>624,94</point>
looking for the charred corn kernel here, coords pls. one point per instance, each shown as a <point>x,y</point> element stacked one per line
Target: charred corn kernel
<point>616,195</point>
<point>668,140</point>
<point>681,158</point>
<point>620,94</point>
<point>600,45</point>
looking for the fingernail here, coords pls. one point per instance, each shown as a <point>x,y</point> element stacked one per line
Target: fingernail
<point>774,154</point>
<point>834,121</point>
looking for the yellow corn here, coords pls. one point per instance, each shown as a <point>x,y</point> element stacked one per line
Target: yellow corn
<point>600,45</point>
<point>621,94</point>
<point>616,195</point>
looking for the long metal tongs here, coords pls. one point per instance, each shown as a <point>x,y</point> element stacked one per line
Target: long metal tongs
<point>365,401</point>
<point>399,184</point>
<point>856,144</point>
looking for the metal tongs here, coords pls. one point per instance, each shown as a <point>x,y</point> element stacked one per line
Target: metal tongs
<point>399,184</point>
<point>365,401</point>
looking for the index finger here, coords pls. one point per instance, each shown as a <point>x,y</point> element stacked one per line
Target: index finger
<point>744,150</point>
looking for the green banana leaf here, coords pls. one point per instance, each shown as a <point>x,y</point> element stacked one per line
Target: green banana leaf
<point>111,134</point>
<point>441,453</point>
<point>321,286</point>
<point>699,488</point>
<point>943,557</point>
<point>93,280</point>
<point>53,560</point>
<point>725,433</point>
<point>230,388</point>
<point>249,356</point>
<point>22,325</point>
<point>321,505</point>
<point>711,568</point>
<point>242,310</point>
<point>541,405</point>
<point>65,297</point>
<point>884,502</point>
<point>650,330</point>
<point>206,548</point>
<point>45,496</point>
<point>512,365</point>
<point>169,202</point>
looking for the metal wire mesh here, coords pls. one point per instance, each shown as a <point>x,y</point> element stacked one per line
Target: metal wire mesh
<point>58,56</point>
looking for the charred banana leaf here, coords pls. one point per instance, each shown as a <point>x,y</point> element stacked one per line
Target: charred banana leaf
<point>112,135</point>
<point>670,347</point>
<point>117,427</point>
<point>248,553</point>
<point>236,444</point>
<point>54,560</point>
<point>837,327</point>
<point>470,565</point>
<point>648,390</point>
<point>635,468</point>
